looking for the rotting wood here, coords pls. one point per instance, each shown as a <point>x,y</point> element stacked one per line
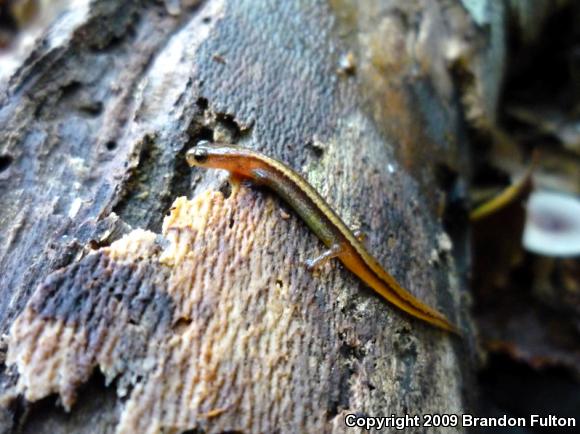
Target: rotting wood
<point>212,322</point>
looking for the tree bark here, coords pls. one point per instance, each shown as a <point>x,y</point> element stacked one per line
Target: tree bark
<point>142,296</point>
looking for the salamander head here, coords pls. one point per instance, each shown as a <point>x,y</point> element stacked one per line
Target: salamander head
<point>219,156</point>
<point>214,155</point>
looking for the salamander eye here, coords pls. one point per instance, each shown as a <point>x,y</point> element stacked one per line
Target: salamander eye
<point>200,155</point>
<point>197,155</point>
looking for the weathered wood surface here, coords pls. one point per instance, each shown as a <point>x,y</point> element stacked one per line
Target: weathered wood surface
<point>202,316</point>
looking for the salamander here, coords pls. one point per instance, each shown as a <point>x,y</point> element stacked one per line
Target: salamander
<point>342,243</point>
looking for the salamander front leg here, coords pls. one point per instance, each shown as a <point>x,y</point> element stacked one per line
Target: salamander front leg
<point>237,181</point>
<point>316,263</point>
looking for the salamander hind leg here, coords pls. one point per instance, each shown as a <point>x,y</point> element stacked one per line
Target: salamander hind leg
<point>360,236</point>
<point>317,263</point>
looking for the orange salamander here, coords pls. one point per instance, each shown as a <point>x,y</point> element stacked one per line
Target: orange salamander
<point>323,221</point>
